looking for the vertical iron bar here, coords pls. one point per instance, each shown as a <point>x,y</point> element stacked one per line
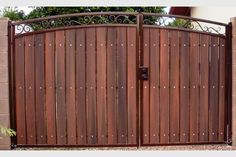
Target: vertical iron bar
<point>228,78</point>
<point>140,82</point>
<point>11,33</point>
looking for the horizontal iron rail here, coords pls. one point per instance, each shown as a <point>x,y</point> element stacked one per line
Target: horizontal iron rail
<point>185,17</point>
<point>73,15</point>
<point>117,145</point>
<point>74,27</point>
<point>80,146</point>
<point>183,29</point>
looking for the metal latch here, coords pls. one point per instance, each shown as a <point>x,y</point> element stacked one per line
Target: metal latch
<point>143,73</point>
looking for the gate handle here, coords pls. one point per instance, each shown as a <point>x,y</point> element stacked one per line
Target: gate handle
<point>143,73</point>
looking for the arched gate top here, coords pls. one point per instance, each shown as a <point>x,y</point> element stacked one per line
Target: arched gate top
<point>120,18</point>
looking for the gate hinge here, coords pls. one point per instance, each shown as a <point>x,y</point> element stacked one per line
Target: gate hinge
<point>143,73</point>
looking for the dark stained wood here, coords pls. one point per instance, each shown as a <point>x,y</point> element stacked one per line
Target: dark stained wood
<point>70,86</point>
<point>204,76</point>
<point>101,85</point>
<point>30,89</point>
<point>145,103</point>
<point>213,88</point>
<point>194,86</point>
<point>91,85</point>
<point>50,88</point>
<point>184,87</point>
<point>221,131</point>
<point>111,85</point>
<point>40,88</point>
<point>121,86</point>
<point>174,86</point>
<point>131,85</point>
<point>20,90</point>
<point>60,87</point>
<point>164,86</point>
<point>154,86</point>
<point>80,87</point>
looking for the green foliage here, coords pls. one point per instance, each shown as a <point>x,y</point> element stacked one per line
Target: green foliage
<point>49,11</point>
<point>13,13</point>
<point>181,23</point>
<point>7,131</point>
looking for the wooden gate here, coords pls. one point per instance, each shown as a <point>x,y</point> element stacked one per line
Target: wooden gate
<point>185,99</point>
<point>74,81</point>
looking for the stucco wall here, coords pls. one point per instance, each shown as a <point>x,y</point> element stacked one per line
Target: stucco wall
<point>220,14</point>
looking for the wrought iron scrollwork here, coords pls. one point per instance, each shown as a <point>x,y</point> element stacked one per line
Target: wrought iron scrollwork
<point>185,23</point>
<point>160,20</point>
<point>75,20</point>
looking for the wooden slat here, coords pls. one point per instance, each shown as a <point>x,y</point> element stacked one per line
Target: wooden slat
<point>174,86</point>
<point>214,95</point>
<point>145,104</point>
<point>70,86</point>
<point>164,86</point>
<point>40,89</point>
<point>111,85</point>
<point>194,86</point>
<point>20,91</point>
<point>101,85</point>
<point>80,87</point>
<point>204,76</point>
<point>121,86</point>
<point>50,87</point>
<point>154,86</point>
<point>222,88</point>
<point>30,89</point>
<point>132,99</point>
<point>60,87</point>
<point>184,87</point>
<point>91,85</point>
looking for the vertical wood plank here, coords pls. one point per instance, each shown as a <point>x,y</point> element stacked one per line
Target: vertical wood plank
<point>80,87</point>
<point>132,100</point>
<point>164,86</point>
<point>30,89</point>
<point>60,87</point>
<point>154,86</point>
<point>40,88</point>
<point>214,95</point>
<point>184,87</point>
<point>222,104</point>
<point>145,103</point>
<point>121,86</point>
<point>20,90</point>
<point>50,87</point>
<point>174,86</point>
<point>111,85</point>
<point>70,86</point>
<point>91,85</point>
<point>101,85</point>
<point>204,77</point>
<point>194,86</point>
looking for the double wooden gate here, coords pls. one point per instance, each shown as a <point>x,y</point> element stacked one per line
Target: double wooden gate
<point>119,79</point>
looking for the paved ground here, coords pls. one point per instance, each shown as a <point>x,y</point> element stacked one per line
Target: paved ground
<point>192,147</point>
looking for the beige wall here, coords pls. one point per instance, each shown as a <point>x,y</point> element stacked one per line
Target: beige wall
<point>220,14</point>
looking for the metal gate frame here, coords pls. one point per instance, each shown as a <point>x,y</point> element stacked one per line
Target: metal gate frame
<point>141,20</point>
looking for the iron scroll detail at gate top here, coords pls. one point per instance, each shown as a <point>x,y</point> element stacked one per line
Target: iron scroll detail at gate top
<point>184,23</point>
<point>112,18</point>
<point>78,19</point>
